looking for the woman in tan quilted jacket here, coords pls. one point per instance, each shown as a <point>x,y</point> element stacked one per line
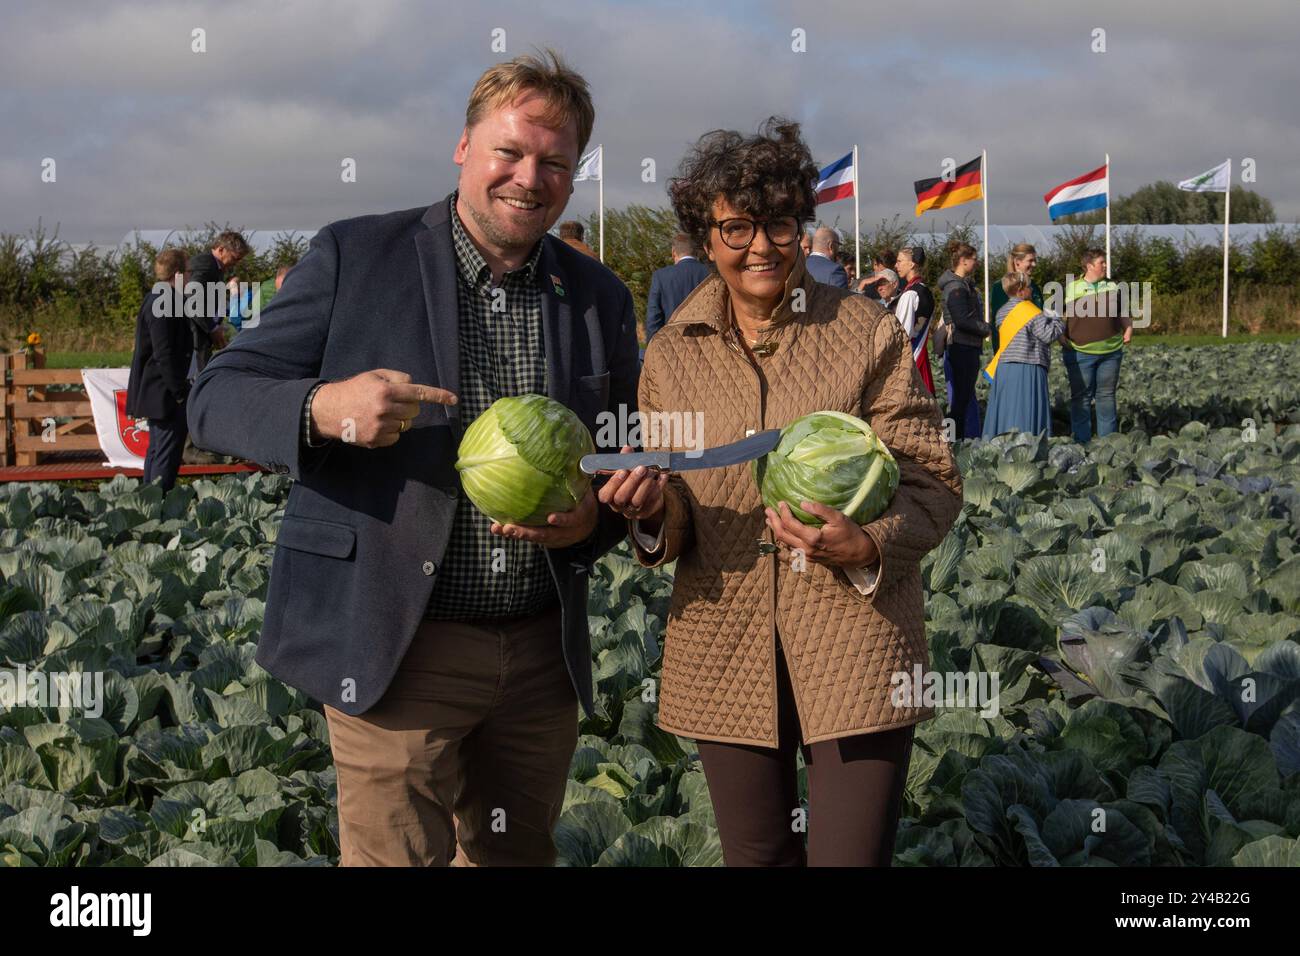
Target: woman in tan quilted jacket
<point>769,648</point>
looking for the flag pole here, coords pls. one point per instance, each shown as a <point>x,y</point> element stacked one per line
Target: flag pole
<point>1227,202</point>
<point>984,180</point>
<point>601,200</point>
<point>857,234</point>
<point>1108,215</point>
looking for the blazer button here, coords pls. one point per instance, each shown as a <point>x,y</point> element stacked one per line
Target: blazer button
<point>429,567</point>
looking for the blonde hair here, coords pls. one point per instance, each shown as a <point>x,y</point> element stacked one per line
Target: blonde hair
<point>1019,251</point>
<point>566,93</point>
<point>1014,282</point>
<point>168,263</point>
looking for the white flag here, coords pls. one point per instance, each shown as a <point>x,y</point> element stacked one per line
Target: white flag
<point>123,440</point>
<point>1215,180</point>
<point>589,166</point>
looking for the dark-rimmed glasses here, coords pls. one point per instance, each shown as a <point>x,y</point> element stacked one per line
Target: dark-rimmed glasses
<point>738,233</point>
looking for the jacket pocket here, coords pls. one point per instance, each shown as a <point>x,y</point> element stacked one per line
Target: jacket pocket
<point>328,538</point>
<point>591,397</point>
<point>835,585</point>
<point>597,384</point>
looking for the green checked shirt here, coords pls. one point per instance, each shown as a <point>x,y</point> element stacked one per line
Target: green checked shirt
<point>483,575</point>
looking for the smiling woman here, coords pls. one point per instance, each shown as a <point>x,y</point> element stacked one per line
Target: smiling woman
<point>782,635</point>
<point>743,202</point>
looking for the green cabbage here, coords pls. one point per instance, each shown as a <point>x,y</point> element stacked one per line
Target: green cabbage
<point>518,461</point>
<point>830,458</point>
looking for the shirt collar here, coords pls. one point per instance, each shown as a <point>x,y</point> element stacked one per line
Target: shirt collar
<point>470,261</point>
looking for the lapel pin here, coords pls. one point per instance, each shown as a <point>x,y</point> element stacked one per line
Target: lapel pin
<point>557,284</point>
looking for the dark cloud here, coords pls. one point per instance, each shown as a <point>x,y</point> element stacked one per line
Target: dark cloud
<point>147,134</point>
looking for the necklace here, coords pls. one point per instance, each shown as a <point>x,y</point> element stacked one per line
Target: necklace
<point>762,346</point>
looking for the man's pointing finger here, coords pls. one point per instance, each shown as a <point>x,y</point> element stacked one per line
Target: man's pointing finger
<point>410,392</point>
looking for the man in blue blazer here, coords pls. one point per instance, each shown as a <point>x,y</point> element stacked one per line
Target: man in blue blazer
<point>157,385</point>
<point>821,262</point>
<point>670,285</point>
<point>450,652</point>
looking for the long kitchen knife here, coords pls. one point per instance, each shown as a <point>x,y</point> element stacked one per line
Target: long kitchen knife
<point>747,449</point>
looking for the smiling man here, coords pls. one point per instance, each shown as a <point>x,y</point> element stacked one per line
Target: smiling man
<point>451,653</point>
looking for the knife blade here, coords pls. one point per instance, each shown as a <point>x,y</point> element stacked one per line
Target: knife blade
<point>747,449</point>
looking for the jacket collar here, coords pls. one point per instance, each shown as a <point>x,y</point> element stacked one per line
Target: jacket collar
<point>709,303</point>
<point>436,252</point>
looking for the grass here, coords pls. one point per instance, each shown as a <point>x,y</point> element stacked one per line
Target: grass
<point>88,359</point>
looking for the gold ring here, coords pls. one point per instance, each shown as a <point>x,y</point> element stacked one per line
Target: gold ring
<point>402,427</point>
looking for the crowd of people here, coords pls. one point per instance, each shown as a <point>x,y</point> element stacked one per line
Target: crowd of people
<point>171,350</point>
<point>1091,339</point>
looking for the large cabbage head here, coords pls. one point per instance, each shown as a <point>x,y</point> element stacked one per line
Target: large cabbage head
<point>518,461</point>
<point>833,459</point>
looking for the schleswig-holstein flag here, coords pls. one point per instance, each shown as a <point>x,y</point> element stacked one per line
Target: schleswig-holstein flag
<point>836,180</point>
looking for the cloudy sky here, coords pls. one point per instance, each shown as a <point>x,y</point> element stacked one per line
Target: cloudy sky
<point>148,134</point>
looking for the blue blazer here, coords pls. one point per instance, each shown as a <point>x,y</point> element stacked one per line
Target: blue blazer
<point>828,271</point>
<point>365,529</point>
<point>669,288</point>
<point>163,348</point>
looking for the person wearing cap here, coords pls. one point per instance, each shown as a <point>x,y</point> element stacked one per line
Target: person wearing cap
<point>887,287</point>
<point>882,259</point>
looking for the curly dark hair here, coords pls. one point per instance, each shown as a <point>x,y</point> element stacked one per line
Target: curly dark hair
<point>769,174</point>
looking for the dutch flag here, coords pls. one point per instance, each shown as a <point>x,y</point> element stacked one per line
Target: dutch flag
<point>1081,194</point>
<point>836,181</point>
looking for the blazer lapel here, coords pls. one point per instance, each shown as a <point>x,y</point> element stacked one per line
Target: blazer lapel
<point>557,324</point>
<point>438,275</point>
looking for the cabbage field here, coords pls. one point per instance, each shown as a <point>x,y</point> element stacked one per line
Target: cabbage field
<point>1139,599</point>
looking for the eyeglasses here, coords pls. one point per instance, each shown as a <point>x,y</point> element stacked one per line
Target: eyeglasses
<point>739,233</point>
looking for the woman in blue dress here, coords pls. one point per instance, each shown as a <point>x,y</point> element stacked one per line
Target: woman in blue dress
<point>1018,398</point>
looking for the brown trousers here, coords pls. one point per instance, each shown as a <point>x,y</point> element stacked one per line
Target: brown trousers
<point>855,793</point>
<point>463,761</point>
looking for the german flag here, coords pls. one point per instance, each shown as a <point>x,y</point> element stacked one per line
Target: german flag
<point>938,193</point>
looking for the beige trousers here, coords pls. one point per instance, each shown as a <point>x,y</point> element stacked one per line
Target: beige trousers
<point>464,760</point>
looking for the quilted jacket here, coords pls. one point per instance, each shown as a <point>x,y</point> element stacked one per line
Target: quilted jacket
<point>731,596</point>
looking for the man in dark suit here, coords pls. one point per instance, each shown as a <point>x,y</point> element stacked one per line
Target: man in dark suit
<point>157,387</point>
<point>210,267</point>
<point>670,285</point>
<point>451,652</point>
<point>821,263</point>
